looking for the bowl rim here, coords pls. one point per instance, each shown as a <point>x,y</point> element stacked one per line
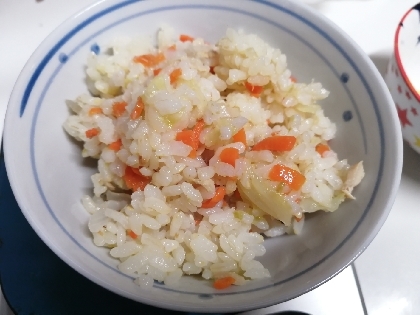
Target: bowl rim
<point>397,52</point>
<point>370,236</point>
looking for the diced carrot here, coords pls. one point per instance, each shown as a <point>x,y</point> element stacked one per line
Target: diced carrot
<point>193,154</point>
<point>156,71</point>
<point>240,136</point>
<point>223,283</point>
<point>185,38</point>
<point>293,79</point>
<point>135,180</point>
<point>175,74</point>
<point>172,48</point>
<point>229,156</point>
<point>138,109</point>
<point>284,174</point>
<point>136,171</point>
<point>90,133</point>
<point>115,146</point>
<point>118,108</point>
<point>198,128</point>
<point>218,196</point>
<point>95,111</point>
<point>191,137</point>
<point>149,60</point>
<point>276,143</point>
<point>132,234</point>
<point>322,148</point>
<point>255,90</point>
<point>186,136</point>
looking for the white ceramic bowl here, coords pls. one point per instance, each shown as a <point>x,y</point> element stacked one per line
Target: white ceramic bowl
<point>48,174</point>
<point>403,76</point>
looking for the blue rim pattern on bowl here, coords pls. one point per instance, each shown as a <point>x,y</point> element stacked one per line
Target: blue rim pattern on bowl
<point>55,49</point>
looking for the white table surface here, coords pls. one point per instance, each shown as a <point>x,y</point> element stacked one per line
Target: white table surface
<point>388,270</point>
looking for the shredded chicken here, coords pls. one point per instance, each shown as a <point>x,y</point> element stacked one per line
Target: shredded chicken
<point>354,177</point>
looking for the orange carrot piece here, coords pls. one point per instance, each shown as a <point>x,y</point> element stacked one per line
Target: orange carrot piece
<point>322,148</point>
<point>156,71</point>
<point>186,136</point>
<point>132,234</point>
<point>134,180</point>
<point>198,128</point>
<point>118,108</point>
<point>223,283</point>
<point>149,60</point>
<point>293,79</point>
<point>276,143</point>
<point>193,154</point>
<point>185,38</point>
<point>284,174</point>
<point>138,109</point>
<point>115,146</point>
<point>95,111</point>
<point>191,137</point>
<point>218,196</point>
<point>175,74</point>
<point>90,133</point>
<point>229,155</point>
<point>172,48</point>
<point>240,136</point>
<point>255,90</point>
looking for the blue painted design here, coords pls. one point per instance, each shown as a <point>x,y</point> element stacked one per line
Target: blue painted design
<point>59,44</point>
<point>63,57</point>
<point>95,49</point>
<point>38,183</point>
<point>347,115</point>
<point>417,8</point>
<point>344,78</point>
<point>356,70</point>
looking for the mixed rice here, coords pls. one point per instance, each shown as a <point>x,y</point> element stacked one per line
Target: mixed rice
<point>203,150</point>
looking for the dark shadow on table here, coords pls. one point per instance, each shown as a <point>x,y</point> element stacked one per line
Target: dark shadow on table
<point>411,165</point>
<point>381,61</point>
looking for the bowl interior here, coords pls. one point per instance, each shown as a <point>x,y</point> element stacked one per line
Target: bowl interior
<point>49,176</point>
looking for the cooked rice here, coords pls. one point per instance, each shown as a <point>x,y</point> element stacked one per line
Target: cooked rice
<point>163,231</point>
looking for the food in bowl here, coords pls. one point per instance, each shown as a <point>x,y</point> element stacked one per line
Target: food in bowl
<point>203,150</point>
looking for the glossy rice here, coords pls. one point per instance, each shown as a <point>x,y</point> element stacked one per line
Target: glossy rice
<point>152,194</point>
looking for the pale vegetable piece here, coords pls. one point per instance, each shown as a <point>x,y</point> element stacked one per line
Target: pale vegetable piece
<point>262,195</point>
<point>354,177</point>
